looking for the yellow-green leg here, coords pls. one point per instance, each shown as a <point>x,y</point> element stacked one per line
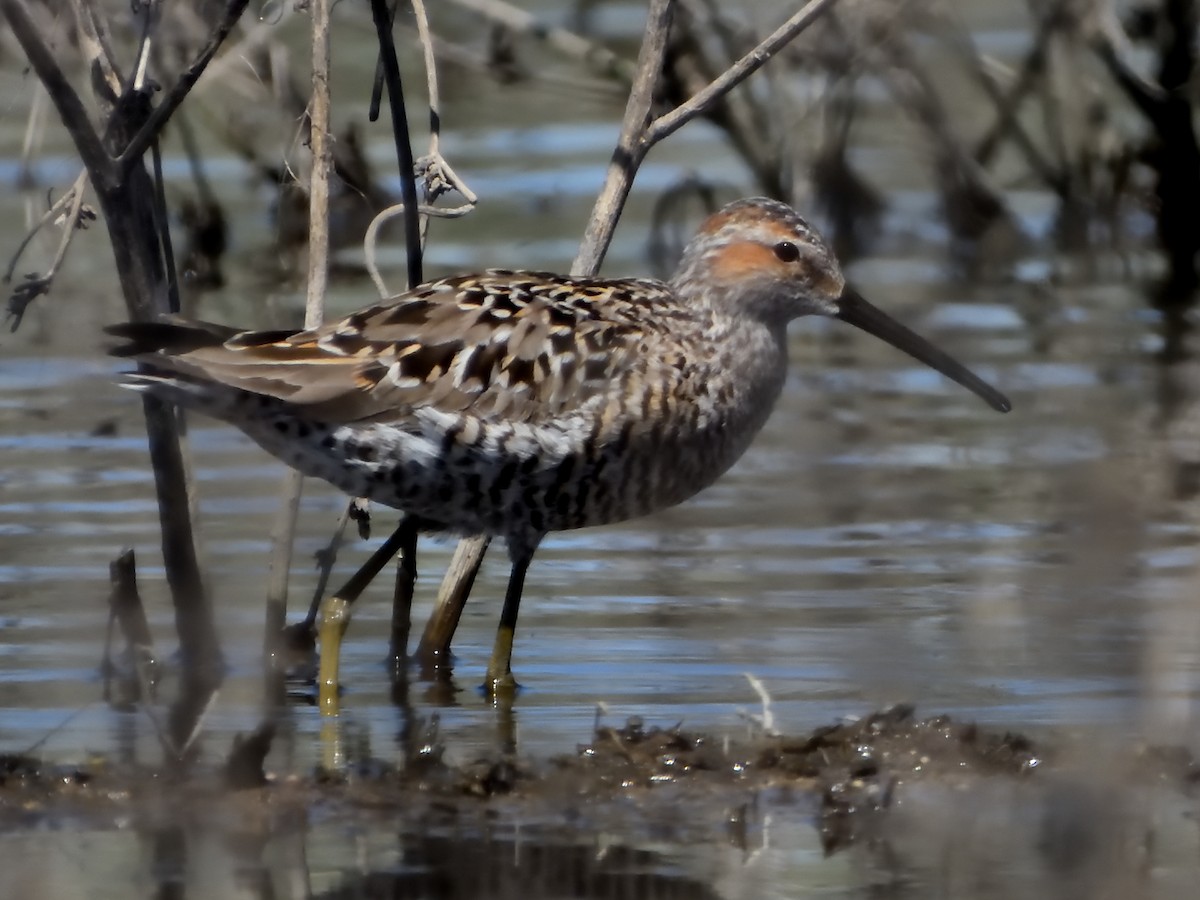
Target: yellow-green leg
<point>500,681</point>
<point>335,613</point>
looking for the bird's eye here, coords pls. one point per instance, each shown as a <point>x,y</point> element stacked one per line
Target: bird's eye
<point>787,251</point>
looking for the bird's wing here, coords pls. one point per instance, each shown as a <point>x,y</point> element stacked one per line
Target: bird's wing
<point>514,345</point>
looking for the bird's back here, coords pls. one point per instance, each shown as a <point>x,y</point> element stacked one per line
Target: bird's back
<point>512,403</point>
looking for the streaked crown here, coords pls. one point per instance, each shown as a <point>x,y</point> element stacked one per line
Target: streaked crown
<point>761,257</point>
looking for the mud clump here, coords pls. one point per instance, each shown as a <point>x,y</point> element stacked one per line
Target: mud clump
<point>671,782</point>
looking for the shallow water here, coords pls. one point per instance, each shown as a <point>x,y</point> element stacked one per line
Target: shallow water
<point>887,538</point>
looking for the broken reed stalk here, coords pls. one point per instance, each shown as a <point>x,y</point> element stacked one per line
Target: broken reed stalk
<point>283,530</point>
<point>114,158</point>
<point>389,63</point>
<point>126,609</point>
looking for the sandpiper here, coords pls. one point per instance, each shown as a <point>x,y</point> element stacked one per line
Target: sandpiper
<point>515,404</point>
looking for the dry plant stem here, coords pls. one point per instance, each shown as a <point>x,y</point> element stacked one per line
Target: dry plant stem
<point>629,152</point>
<point>434,647</point>
<point>70,108</point>
<point>404,155</point>
<point>1025,82</point>
<point>737,73</point>
<point>433,162</point>
<point>1012,125</point>
<point>371,239</point>
<point>125,604</point>
<point>95,47</point>
<point>433,651</point>
<point>162,225</point>
<point>431,82</point>
<point>125,190</point>
<point>325,560</point>
<point>749,119</point>
<point>322,166</point>
<point>72,201</point>
<point>283,532</point>
<point>335,613</point>
<point>600,59</point>
<point>34,131</point>
<point>158,117</point>
<point>637,138</point>
<point>407,571</point>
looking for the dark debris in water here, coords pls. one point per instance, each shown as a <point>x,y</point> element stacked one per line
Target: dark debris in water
<point>671,781</point>
<point>854,768</point>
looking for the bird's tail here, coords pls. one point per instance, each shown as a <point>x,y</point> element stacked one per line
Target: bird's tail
<point>168,373</point>
<point>166,336</point>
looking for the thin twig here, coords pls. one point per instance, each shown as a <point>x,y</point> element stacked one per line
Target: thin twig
<point>283,532</point>
<point>637,138</point>
<point>162,113</point>
<point>404,155</point>
<point>66,101</point>
<point>56,209</point>
<point>321,144</point>
<point>96,48</point>
<point>700,103</point>
<point>36,285</point>
<point>765,721</point>
<point>468,555</point>
<point>600,59</point>
<point>627,156</point>
<point>431,81</point>
<point>1115,49</point>
<point>34,132</point>
<point>326,557</point>
<point>162,223</point>
<point>439,177</point>
<point>371,238</point>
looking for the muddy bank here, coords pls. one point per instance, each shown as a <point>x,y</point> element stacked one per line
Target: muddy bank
<point>671,782</point>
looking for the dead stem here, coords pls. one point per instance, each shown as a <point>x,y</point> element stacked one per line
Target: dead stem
<point>283,532</point>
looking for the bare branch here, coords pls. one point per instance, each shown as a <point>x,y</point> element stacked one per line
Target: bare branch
<point>404,156</point>
<point>371,239</point>
<point>35,130</point>
<point>438,175</point>
<point>95,47</point>
<point>600,59</point>
<point>35,285</point>
<point>283,531</point>
<point>630,145</point>
<point>737,73</point>
<point>51,214</point>
<point>1114,48</point>
<point>66,101</point>
<point>162,113</point>
<point>321,145</point>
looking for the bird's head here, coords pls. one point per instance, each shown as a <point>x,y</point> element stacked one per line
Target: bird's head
<point>759,258</point>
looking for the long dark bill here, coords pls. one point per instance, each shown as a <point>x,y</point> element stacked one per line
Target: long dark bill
<point>853,308</point>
